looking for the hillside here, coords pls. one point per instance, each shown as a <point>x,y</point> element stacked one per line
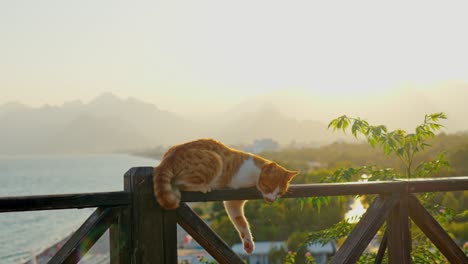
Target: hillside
<point>109,123</point>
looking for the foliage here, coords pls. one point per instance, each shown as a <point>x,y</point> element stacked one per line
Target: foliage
<point>296,240</point>
<point>398,142</point>
<point>291,258</point>
<point>338,230</point>
<point>404,146</point>
<point>343,162</point>
<point>425,252</point>
<point>204,260</point>
<point>368,257</point>
<point>276,221</point>
<point>309,258</point>
<point>369,173</point>
<point>276,255</point>
<point>313,162</point>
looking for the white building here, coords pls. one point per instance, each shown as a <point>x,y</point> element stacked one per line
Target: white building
<point>262,249</point>
<point>260,254</point>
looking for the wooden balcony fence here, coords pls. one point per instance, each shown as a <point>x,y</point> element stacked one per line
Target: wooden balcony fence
<point>142,232</point>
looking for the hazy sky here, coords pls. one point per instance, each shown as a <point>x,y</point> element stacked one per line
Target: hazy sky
<point>187,56</point>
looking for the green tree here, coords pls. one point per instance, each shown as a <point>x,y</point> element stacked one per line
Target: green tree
<point>398,142</point>
<point>402,145</point>
<point>450,201</point>
<point>276,221</point>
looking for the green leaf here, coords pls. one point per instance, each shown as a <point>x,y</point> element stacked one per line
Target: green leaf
<point>345,124</point>
<point>400,151</point>
<point>340,123</point>
<point>372,141</point>
<point>376,131</point>
<point>436,116</point>
<point>387,149</point>
<point>333,124</point>
<point>383,128</point>
<point>355,128</point>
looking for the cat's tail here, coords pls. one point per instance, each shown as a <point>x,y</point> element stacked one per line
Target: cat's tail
<point>167,195</point>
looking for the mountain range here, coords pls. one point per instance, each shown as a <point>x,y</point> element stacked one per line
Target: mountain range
<point>109,123</point>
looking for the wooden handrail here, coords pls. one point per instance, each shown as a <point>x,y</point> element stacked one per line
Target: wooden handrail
<point>63,201</point>
<point>143,232</point>
<point>122,198</point>
<point>337,189</point>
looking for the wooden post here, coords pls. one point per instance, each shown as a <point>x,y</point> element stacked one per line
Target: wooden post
<point>116,245</point>
<point>206,237</point>
<point>399,237</point>
<point>365,229</point>
<point>148,233</point>
<point>120,233</point>
<point>382,249</point>
<point>432,229</point>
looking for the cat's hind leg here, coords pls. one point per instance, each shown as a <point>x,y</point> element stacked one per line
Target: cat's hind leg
<point>235,210</point>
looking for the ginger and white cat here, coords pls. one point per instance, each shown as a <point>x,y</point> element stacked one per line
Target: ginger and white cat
<point>206,164</point>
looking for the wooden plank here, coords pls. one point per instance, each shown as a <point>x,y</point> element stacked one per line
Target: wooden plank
<point>115,239</point>
<point>365,229</point>
<point>432,229</point>
<point>85,237</point>
<point>203,234</point>
<point>382,249</point>
<point>336,189</point>
<point>63,201</point>
<point>84,200</point>
<point>419,185</point>
<point>399,237</point>
<point>153,236</point>
<point>170,236</point>
<point>124,229</point>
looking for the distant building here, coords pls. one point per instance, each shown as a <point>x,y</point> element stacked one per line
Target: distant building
<point>262,249</point>
<point>192,256</point>
<point>260,254</point>
<point>260,145</point>
<point>321,252</point>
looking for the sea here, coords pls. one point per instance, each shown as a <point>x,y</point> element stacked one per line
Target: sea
<point>24,234</point>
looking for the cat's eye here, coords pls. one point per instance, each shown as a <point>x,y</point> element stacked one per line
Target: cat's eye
<point>266,188</point>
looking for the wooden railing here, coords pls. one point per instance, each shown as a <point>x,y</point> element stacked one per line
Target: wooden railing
<point>142,232</point>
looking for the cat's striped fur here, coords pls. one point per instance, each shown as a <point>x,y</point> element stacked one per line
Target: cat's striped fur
<point>206,164</point>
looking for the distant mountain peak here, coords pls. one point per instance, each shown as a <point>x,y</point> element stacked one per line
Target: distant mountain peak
<point>12,106</point>
<point>106,98</point>
<point>268,107</point>
<point>74,103</point>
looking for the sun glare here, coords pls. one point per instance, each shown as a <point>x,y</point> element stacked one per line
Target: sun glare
<point>356,211</point>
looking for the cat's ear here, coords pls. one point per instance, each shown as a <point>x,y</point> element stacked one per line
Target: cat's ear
<point>269,165</point>
<point>291,174</point>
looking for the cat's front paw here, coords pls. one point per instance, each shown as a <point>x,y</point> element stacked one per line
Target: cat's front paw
<point>249,246</point>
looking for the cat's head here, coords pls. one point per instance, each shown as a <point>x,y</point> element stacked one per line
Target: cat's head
<point>274,181</point>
